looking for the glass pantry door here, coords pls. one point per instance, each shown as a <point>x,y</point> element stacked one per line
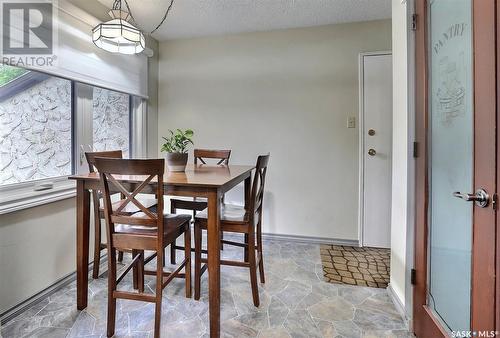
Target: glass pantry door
<point>451,160</point>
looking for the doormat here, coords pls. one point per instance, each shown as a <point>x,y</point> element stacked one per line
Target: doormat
<point>356,266</point>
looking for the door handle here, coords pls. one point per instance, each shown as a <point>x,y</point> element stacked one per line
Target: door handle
<point>372,152</point>
<point>480,198</point>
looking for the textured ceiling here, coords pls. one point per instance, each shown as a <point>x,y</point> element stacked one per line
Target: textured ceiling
<point>192,18</point>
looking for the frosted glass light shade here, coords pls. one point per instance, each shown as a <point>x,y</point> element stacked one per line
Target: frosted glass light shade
<point>118,36</point>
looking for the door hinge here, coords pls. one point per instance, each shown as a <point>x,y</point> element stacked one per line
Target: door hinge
<point>414,22</point>
<point>413,277</point>
<point>415,149</point>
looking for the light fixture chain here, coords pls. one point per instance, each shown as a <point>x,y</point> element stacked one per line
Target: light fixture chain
<point>164,17</point>
<point>130,12</point>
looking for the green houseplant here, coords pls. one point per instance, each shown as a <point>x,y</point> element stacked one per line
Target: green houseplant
<point>176,147</point>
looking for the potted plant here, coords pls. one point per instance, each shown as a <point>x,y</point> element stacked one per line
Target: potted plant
<point>176,147</point>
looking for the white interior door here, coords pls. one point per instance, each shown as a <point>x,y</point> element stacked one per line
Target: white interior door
<point>376,149</point>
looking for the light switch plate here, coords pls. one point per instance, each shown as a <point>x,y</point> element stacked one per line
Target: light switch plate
<point>351,122</point>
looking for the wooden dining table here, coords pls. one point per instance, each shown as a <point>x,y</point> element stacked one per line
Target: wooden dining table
<point>198,180</point>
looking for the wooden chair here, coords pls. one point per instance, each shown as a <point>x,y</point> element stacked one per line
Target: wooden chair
<point>98,205</point>
<point>197,204</point>
<point>237,219</point>
<point>144,230</point>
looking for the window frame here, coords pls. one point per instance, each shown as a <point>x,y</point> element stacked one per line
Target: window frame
<point>28,194</point>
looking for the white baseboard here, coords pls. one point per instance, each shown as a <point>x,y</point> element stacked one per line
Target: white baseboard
<point>399,306</point>
<point>51,289</point>
<point>26,304</point>
<point>308,239</point>
<point>23,306</point>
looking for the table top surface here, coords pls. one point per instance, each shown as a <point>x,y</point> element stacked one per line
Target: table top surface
<point>195,175</point>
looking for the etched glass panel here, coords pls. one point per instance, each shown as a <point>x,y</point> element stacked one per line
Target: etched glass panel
<point>451,161</point>
<point>35,126</point>
<point>111,120</point>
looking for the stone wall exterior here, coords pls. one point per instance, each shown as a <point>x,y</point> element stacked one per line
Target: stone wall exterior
<point>35,129</point>
<point>111,120</point>
<point>35,132</point>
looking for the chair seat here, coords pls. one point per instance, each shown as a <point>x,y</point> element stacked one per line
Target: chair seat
<point>189,203</point>
<point>171,223</point>
<point>230,213</point>
<point>145,237</point>
<point>189,199</point>
<point>131,208</point>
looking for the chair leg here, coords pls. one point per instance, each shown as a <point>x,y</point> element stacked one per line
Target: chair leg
<point>259,250</point>
<point>172,252</point>
<point>159,291</point>
<point>140,272</point>
<point>135,274</point>
<point>197,261</point>
<point>111,289</point>
<point>253,269</point>
<point>222,238</point>
<point>187,254</point>
<point>97,247</point>
<point>120,256</point>
<point>172,246</point>
<point>246,248</point>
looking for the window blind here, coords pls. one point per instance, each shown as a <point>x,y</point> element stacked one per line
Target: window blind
<point>78,59</point>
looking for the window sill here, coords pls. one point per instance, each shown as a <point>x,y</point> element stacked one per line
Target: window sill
<point>24,196</point>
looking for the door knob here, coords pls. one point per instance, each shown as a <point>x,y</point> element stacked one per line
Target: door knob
<point>372,152</point>
<point>371,132</point>
<point>480,198</point>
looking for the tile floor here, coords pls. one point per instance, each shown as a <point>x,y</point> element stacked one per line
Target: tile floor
<point>295,302</point>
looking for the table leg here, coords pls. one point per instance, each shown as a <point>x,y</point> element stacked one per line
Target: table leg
<point>82,244</point>
<point>213,233</point>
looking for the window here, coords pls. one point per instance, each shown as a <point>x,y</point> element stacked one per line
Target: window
<point>110,120</point>
<point>46,124</point>
<point>8,73</point>
<point>35,127</point>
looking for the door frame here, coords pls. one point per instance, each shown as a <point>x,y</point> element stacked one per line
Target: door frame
<point>484,312</point>
<point>361,148</point>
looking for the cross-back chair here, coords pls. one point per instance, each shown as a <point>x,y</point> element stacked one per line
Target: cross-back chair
<point>197,204</point>
<point>145,230</point>
<point>98,205</point>
<point>236,219</point>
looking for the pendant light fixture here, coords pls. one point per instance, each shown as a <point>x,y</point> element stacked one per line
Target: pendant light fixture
<point>119,35</point>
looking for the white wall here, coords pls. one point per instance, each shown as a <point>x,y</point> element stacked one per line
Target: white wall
<point>288,92</point>
<point>402,160</point>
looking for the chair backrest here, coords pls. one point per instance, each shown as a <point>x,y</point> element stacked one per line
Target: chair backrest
<point>203,154</point>
<point>92,155</point>
<point>144,172</point>
<point>257,192</point>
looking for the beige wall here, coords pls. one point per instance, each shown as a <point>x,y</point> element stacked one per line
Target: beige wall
<point>152,116</point>
<point>288,92</point>
<point>37,247</point>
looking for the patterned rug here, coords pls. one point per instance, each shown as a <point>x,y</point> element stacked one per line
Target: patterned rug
<point>356,266</point>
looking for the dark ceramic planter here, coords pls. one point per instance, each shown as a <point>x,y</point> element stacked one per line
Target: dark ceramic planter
<point>176,161</point>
